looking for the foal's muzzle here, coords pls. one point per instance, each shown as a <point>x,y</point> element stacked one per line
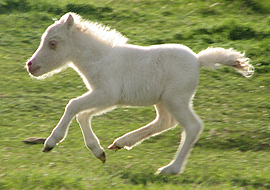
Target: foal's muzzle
<point>32,68</point>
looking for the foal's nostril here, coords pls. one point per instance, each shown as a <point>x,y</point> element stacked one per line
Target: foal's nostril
<point>29,63</point>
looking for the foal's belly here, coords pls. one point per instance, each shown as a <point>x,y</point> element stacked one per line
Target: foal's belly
<point>140,97</point>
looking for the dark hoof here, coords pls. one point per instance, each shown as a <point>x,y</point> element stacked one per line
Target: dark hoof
<point>34,140</point>
<point>103,158</point>
<point>47,149</point>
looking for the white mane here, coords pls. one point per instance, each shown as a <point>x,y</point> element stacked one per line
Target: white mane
<point>105,34</point>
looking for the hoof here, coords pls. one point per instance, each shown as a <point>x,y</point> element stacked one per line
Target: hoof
<point>114,147</point>
<point>168,170</point>
<point>161,172</point>
<point>47,149</point>
<point>34,140</point>
<point>102,157</point>
<point>158,172</point>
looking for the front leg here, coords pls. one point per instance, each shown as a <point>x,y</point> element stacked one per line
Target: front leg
<point>90,139</point>
<point>95,100</point>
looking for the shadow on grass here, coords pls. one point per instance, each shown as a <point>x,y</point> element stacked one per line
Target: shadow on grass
<point>145,178</point>
<point>224,139</point>
<point>241,140</point>
<point>239,144</point>
<point>150,178</point>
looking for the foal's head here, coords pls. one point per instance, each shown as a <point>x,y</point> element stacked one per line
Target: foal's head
<point>54,49</point>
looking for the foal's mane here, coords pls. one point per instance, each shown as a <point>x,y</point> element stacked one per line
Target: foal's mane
<point>97,30</point>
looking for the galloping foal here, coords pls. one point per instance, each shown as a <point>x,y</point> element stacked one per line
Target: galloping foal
<point>120,74</point>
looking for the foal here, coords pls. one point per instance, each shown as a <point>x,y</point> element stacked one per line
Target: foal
<point>120,74</point>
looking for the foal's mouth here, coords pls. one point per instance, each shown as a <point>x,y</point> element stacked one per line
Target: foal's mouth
<point>33,70</point>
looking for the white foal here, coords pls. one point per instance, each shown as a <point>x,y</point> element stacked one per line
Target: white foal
<point>119,74</point>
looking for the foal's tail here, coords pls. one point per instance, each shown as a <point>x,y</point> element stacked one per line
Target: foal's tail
<point>211,57</point>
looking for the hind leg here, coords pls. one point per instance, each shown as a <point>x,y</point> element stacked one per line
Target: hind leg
<point>192,127</point>
<point>162,122</point>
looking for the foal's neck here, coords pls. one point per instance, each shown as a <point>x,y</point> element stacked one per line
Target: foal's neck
<point>88,49</point>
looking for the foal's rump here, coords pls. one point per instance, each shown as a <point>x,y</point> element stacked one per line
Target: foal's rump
<point>145,73</point>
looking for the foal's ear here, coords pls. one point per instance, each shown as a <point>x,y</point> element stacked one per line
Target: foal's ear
<point>69,21</point>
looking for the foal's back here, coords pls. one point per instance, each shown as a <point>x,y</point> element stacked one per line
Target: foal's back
<point>144,73</point>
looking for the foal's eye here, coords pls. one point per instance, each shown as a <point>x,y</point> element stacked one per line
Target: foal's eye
<point>52,44</point>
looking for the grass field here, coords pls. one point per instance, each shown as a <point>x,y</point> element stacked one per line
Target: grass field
<point>233,151</point>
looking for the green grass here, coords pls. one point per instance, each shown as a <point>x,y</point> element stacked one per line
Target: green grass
<point>233,151</point>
